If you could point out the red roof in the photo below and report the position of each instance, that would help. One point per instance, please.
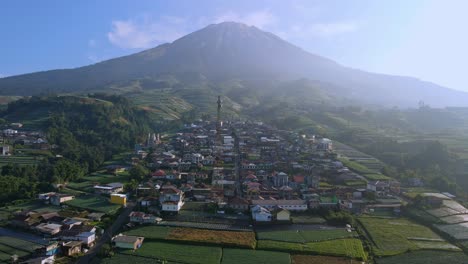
(299, 178)
(159, 173)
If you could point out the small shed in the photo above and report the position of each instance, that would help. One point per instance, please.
(130, 242)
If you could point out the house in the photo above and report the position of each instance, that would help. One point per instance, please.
(280, 214)
(45, 197)
(96, 216)
(142, 218)
(51, 249)
(49, 229)
(5, 150)
(261, 214)
(280, 179)
(291, 205)
(83, 233)
(59, 198)
(171, 198)
(71, 248)
(238, 204)
(118, 199)
(130, 242)
(110, 188)
(40, 260)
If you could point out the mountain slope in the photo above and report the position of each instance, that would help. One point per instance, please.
(222, 52)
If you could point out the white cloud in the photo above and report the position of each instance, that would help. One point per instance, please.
(2, 75)
(133, 34)
(260, 19)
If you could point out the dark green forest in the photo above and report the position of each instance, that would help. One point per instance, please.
(85, 131)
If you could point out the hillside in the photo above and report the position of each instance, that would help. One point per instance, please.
(230, 58)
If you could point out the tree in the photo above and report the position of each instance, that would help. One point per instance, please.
(138, 172)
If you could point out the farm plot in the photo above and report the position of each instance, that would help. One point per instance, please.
(225, 238)
(245, 256)
(442, 212)
(455, 219)
(125, 259)
(457, 231)
(425, 256)
(178, 253)
(307, 259)
(94, 203)
(303, 236)
(307, 219)
(454, 205)
(436, 245)
(13, 251)
(150, 232)
(392, 236)
(19, 244)
(350, 247)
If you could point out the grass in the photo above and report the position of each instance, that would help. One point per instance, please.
(225, 238)
(307, 259)
(392, 236)
(350, 247)
(244, 256)
(425, 257)
(304, 236)
(94, 203)
(178, 253)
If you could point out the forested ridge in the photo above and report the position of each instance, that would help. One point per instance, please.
(84, 132)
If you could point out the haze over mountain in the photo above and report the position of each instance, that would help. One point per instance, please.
(220, 53)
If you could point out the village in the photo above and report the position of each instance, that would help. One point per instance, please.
(223, 178)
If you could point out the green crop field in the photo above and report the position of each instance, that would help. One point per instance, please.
(307, 219)
(426, 257)
(150, 232)
(20, 160)
(19, 244)
(350, 247)
(308, 259)
(125, 259)
(245, 256)
(94, 203)
(13, 251)
(30, 205)
(303, 236)
(393, 236)
(178, 252)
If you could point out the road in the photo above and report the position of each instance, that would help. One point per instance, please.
(107, 236)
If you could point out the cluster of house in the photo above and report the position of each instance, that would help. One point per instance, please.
(250, 166)
(13, 134)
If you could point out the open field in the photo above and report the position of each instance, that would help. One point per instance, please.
(425, 257)
(94, 203)
(350, 247)
(307, 219)
(224, 238)
(303, 236)
(125, 259)
(245, 256)
(393, 236)
(178, 252)
(307, 259)
(33, 205)
(19, 244)
(150, 232)
(457, 231)
(20, 160)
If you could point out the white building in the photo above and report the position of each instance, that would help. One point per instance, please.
(260, 214)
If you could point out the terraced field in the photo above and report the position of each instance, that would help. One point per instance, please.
(304, 236)
(94, 203)
(177, 253)
(396, 236)
(349, 247)
(244, 256)
(425, 257)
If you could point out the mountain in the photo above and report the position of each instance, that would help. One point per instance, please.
(228, 56)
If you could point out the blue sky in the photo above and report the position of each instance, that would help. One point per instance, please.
(426, 39)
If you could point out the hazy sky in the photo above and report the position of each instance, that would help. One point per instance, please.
(425, 39)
